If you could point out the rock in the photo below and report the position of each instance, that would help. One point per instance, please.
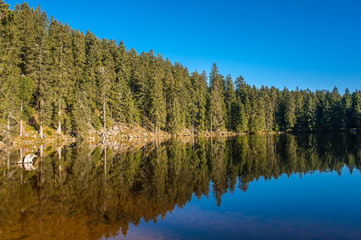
(29, 167)
(27, 162)
(29, 158)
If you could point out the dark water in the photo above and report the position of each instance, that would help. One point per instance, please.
(249, 187)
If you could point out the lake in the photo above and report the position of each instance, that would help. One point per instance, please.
(246, 187)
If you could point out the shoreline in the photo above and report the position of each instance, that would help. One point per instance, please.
(144, 137)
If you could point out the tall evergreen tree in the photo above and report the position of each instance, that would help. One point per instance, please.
(200, 95)
(346, 108)
(61, 69)
(356, 109)
(81, 112)
(35, 59)
(290, 111)
(309, 112)
(217, 105)
(25, 91)
(230, 101)
(241, 118)
(9, 70)
(158, 107)
(93, 80)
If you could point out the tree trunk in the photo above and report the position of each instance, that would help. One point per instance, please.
(193, 125)
(41, 129)
(41, 118)
(41, 177)
(105, 162)
(8, 126)
(60, 167)
(59, 121)
(105, 118)
(21, 120)
(21, 160)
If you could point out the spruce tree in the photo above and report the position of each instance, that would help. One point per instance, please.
(309, 112)
(200, 95)
(33, 28)
(9, 70)
(230, 101)
(356, 109)
(346, 106)
(94, 77)
(290, 111)
(25, 91)
(217, 105)
(80, 111)
(61, 69)
(241, 117)
(158, 107)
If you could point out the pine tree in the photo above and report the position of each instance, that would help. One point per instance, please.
(241, 119)
(290, 111)
(105, 77)
(9, 70)
(230, 101)
(61, 69)
(81, 112)
(139, 83)
(200, 95)
(25, 91)
(336, 109)
(217, 105)
(356, 109)
(178, 94)
(309, 112)
(93, 80)
(257, 120)
(299, 102)
(32, 29)
(158, 107)
(346, 106)
(170, 97)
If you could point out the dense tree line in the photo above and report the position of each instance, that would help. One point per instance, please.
(52, 75)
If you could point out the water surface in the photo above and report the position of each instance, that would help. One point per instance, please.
(248, 187)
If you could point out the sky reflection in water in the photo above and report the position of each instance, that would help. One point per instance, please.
(316, 206)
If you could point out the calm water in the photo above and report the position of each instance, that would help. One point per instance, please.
(249, 187)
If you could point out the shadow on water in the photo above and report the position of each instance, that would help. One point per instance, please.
(87, 192)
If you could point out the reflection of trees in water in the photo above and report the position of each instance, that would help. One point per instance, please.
(85, 193)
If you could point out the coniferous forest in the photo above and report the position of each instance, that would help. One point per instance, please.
(52, 75)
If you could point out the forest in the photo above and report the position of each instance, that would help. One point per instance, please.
(55, 76)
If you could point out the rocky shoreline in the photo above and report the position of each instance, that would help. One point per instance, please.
(118, 133)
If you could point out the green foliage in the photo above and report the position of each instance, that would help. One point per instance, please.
(217, 106)
(54, 76)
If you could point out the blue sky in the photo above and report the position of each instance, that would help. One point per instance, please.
(310, 44)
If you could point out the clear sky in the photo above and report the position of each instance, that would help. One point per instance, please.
(310, 43)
